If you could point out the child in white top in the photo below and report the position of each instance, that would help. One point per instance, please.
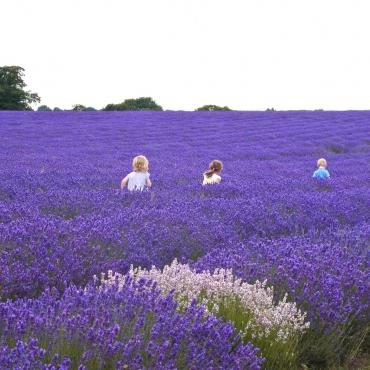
(138, 179)
(212, 176)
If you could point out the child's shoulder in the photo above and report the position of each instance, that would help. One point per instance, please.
(321, 173)
(138, 174)
(132, 173)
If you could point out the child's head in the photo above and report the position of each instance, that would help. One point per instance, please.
(322, 163)
(214, 167)
(140, 164)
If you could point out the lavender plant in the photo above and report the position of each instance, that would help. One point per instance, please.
(63, 218)
(132, 326)
(274, 328)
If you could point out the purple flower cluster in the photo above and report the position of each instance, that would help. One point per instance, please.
(133, 326)
(63, 218)
(28, 355)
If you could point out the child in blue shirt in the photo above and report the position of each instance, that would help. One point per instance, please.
(321, 173)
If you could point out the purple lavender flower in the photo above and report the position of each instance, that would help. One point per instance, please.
(133, 326)
(63, 218)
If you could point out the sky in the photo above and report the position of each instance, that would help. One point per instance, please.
(246, 54)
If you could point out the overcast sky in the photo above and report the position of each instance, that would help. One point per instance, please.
(247, 54)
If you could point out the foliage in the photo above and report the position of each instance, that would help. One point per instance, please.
(43, 108)
(82, 108)
(211, 108)
(135, 104)
(78, 108)
(12, 93)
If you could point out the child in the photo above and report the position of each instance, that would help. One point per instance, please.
(321, 173)
(139, 177)
(212, 176)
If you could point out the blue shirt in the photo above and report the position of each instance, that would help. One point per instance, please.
(321, 173)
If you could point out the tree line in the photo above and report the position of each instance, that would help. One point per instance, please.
(13, 96)
(143, 103)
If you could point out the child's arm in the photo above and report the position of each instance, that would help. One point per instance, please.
(124, 182)
(148, 183)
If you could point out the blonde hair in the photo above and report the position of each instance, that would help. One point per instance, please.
(214, 166)
(140, 164)
(321, 162)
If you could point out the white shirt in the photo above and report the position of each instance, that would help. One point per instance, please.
(137, 180)
(214, 179)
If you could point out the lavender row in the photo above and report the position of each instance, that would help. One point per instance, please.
(63, 218)
(133, 327)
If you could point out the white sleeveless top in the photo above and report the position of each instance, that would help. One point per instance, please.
(137, 180)
(214, 179)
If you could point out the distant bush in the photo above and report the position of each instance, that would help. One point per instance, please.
(144, 103)
(78, 108)
(271, 109)
(211, 108)
(43, 108)
(82, 108)
(56, 109)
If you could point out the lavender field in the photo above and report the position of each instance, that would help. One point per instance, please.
(268, 270)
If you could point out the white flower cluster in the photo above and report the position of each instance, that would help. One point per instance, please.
(254, 302)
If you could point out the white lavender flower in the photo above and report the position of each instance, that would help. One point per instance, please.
(256, 302)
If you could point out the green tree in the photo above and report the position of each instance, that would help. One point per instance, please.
(79, 108)
(211, 108)
(43, 108)
(143, 103)
(12, 93)
(56, 109)
(82, 108)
